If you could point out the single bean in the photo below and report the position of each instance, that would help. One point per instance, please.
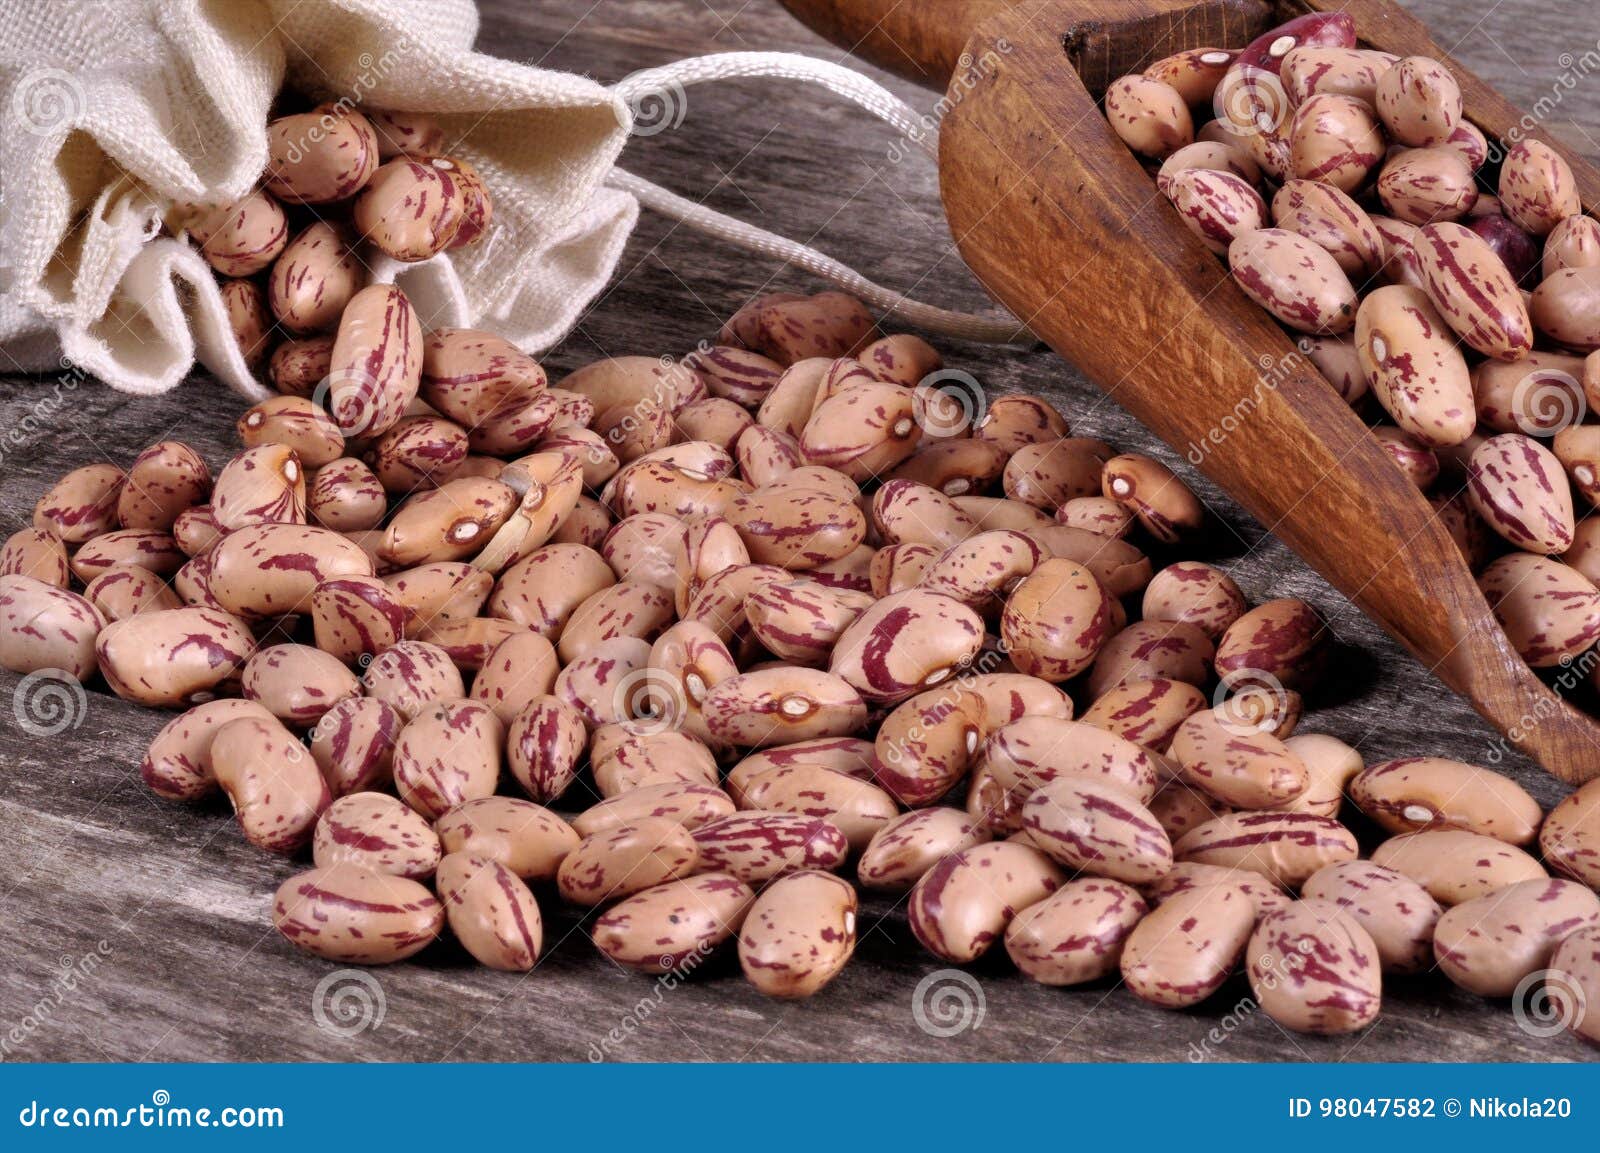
(491, 912)
(1184, 950)
(351, 916)
(353, 744)
(1314, 969)
(1287, 847)
(659, 929)
(1491, 944)
(275, 787)
(297, 683)
(172, 658)
(1099, 828)
(1456, 865)
(526, 838)
(375, 832)
(965, 902)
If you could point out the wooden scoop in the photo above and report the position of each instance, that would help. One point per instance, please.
(1059, 221)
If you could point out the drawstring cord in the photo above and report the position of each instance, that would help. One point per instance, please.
(657, 94)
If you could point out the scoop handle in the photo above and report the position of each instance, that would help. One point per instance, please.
(922, 40)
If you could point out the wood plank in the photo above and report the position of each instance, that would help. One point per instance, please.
(191, 968)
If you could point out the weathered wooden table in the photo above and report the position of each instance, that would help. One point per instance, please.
(134, 929)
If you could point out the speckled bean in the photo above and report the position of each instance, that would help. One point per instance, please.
(491, 912)
(906, 642)
(269, 570)
(297, 683)
(1396, 912)
(447, 754)
(1427, 792)
(659, 929)
(1287, 847)
(272, 781)
(1188, 945)
(376, 364)
(1097, 827)
(857, 807)
(965, 902)
(1491, 944)
(374, 831)
(412, 675)
(351, 916)
(1537, 188)
(1056, 620)
(1314, 969)
(627, 859)
(1456, 865)
(1295, 280)
(353, 744)
(1517, 486)
(45, 627)
(1147, 711)
(1549, 610)
(527, 838)
(173, 658)
(1236, 764)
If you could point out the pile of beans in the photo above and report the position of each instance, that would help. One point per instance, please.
(337, 180)
(749, 619)
(1465, 323)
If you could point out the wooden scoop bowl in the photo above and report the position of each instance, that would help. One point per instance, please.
(1062, 225)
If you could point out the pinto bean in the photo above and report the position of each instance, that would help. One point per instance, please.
(1456, 865)
(965, 902)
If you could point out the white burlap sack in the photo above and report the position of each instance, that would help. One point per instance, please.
(114, 111)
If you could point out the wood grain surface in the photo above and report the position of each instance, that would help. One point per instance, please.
(133, 929)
